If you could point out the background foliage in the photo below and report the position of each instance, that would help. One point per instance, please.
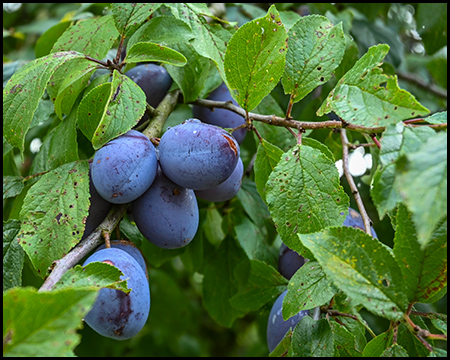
(187, 317)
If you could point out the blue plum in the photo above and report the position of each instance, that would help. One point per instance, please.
(355, 220)
(154, 80)
(221, 117)
(124, 168)
(98, 209)
(131, 249)
(116, 314)
(277, 327)
(166, 214)
(198, 156)
(226, 190)
(289, 261)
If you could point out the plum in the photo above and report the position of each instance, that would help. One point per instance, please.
(355, 220)
(124, 168)
(116, 314)
(289, 261)
(277, 327)
(221, 117)
(226, 190)
(196, 155)
(166, 214)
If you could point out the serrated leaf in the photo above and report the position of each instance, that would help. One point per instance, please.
(312, 338)
(362, 267)
(12, 186)
(13, 255)
(23, 91)
(307, 289)
(255, 58)
(128, 17)
(95, 275)
(365, 96)
(264, 284)
(267, 157)
(104, 113)
(53, 214)
(93, 37)
(43, 324)
(304, 195)
(147, 51)
(424, 270)
(422, 183)
(315, 49)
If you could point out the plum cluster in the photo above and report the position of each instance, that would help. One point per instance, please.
(193, 159)
(289, 261)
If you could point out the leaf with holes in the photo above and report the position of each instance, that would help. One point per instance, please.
(93, 37)
(255, 58)
(304, 195)
(315, 49)
(128, 17)
(147, 51)
(362, 267)
(23, 91)
(365, 96)
(53, 214)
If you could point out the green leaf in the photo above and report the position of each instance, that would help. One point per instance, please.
(12, 186)
(104, 113)
(344, 340)
(68, 81)
(255, 58)
(46, 41)
(365, 96)
(95, 275)
(377, 345)
(422, 182)
(220, 283)
(362, 267)
(304, 195)
(308, 288)
(53, 214)
(312, 338)
(23, 91)
(437, 118)
(147, 51)
(264, 284)
(163, 30)
(191, 78)
(12, 255)
(93, 37)
(315, 49)
(43, 324)
(424, 270)
(267, 157)
(395, 350)
(128, 17)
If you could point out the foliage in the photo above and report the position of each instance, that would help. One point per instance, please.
(317, 84)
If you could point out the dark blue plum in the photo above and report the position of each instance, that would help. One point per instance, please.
(124, 168)
(154, 80)
(277, 327)
(166, 214)
(131, 249)
(226, 190)
(116, 314)
(355, 220)
(98, 209)
(221, 117)
(198, 156)
(289, 261)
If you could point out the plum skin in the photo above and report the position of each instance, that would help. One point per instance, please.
(116, 314)
(221, 117)
(289, 261)
(225, 190)
(124, 168)
(277, 327)
(196, 155)
(166, 214)
(355, 220)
